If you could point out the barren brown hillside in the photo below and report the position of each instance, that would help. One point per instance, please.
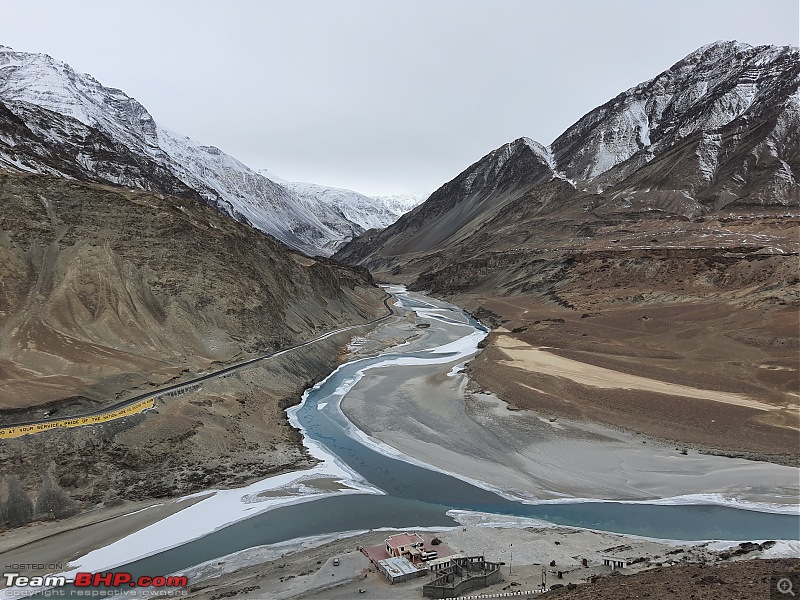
(107, 292)
(104, 289)
(658, 237)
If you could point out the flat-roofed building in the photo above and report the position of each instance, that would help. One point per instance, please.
(440, 563)
(462, 575)
(616, 562)
(399, 568)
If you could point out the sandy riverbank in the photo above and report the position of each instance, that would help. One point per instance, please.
(530, 358)
(305, 569)
(429, 414)
(722, 381)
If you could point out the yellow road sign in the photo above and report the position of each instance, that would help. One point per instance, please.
(135, 408)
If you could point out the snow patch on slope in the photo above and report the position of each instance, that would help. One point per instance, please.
(39, 80)
(356, 208)
(543, 152)
(708, 89)
(400, 204)
(346, 211)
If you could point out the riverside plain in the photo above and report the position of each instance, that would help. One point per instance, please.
(698, 479)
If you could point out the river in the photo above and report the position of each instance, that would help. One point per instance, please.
(406, 495)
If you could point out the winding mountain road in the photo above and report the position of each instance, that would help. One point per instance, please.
(143, 402)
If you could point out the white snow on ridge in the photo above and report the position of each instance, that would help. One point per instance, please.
(542, 151)
(345, 211)
(705, 91)
(400, 204)
(367, 212)
(267, 205)
(313, 219)
(355, 207)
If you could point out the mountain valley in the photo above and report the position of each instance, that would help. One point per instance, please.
(591, 342)
(659, 234)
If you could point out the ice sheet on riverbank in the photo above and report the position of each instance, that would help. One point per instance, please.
(580, 463)
(720, 500)
(220, 509)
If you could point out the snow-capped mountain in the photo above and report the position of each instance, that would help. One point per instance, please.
(715, 134)
(34, 139)
(358, 212)
(356, 208)
(400, 204)
(58, 121)
(711, 95)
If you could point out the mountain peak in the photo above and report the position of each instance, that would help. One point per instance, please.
(721, 45)
(496, 160)
(542, 151)
(709, 88)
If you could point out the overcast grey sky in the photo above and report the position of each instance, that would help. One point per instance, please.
(375, 95)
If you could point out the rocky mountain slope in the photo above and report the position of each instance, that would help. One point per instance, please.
(458, 209)
(722, 112)
(106, 292)
(57, 121)
(103, 288)
(715, 136)
(656, 237)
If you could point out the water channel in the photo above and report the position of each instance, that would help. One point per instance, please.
(417, 496)
(409, 495)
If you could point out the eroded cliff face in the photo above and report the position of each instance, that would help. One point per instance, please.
(105, 288)
(106, 291)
